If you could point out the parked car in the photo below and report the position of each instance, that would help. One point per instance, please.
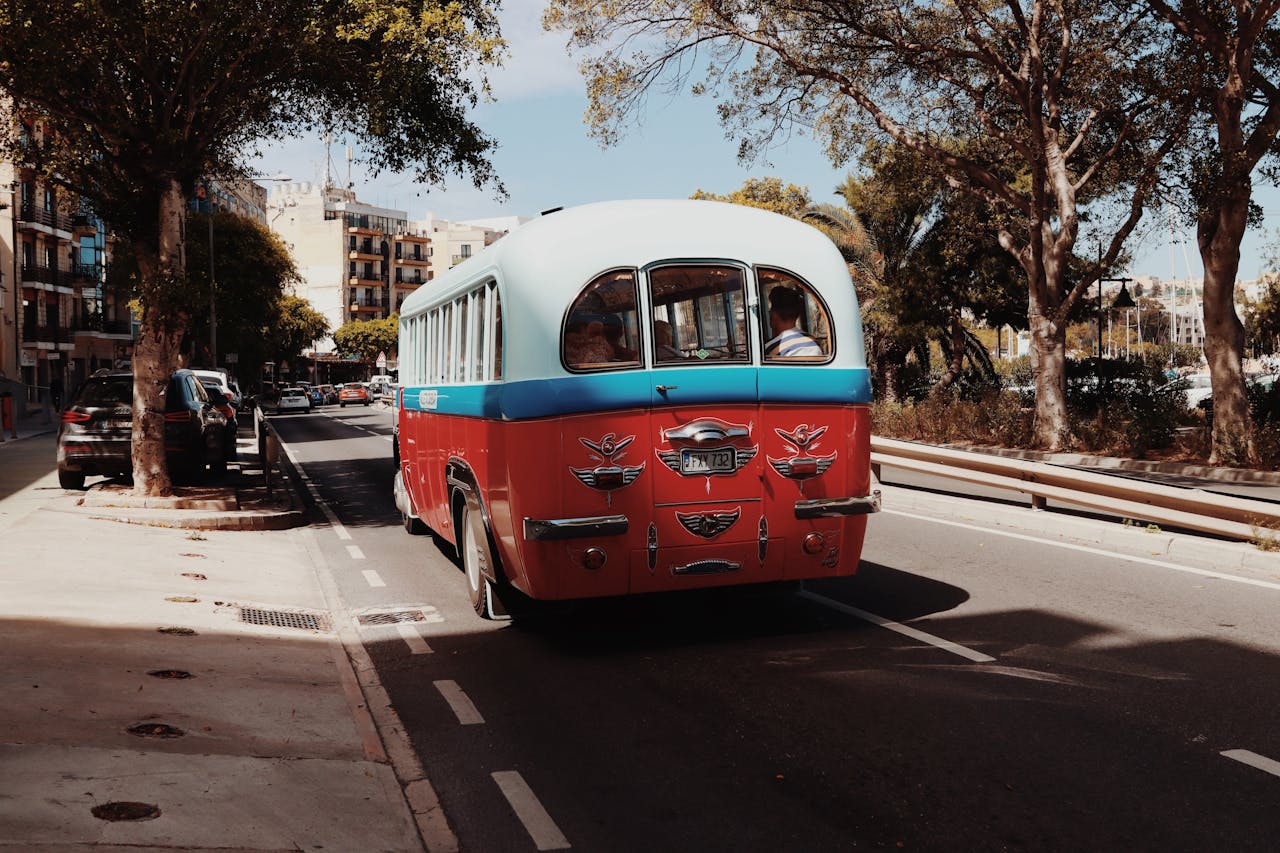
(329, 393)
(293, 400)
(225, 405)
(354, 392)
(227, 385)
(1195, 388)
(95, 435)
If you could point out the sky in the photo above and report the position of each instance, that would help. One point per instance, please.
(546, 159)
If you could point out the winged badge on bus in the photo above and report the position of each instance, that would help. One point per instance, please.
(802, 466)
(609, 476)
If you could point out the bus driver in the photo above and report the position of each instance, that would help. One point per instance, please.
(785, 307)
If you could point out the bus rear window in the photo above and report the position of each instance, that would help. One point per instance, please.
(796, 327)
(602, 330)
(699, 314)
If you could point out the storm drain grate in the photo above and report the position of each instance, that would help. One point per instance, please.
(283, 619)
(392, 618)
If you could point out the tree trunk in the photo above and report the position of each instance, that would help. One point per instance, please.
(1049, 369)
(1219, 233)
(155, 351)
(957, 354)
(889, 359)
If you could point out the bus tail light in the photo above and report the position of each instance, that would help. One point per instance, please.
(594, 559)
(813, 543)
(70, 416)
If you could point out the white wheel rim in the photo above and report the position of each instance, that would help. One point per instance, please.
(472, 556)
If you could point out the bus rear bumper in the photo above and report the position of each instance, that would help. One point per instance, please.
(837, 507)
(574, 528)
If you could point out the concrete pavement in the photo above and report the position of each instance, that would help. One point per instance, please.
(200, 676)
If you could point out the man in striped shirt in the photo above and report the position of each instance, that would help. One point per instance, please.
(785, 307)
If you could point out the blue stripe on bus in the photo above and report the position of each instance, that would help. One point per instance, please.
(814, 385)
(539, 398)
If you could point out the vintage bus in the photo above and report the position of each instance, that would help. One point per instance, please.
(638, 396)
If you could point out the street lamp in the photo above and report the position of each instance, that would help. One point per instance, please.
(1122, 300)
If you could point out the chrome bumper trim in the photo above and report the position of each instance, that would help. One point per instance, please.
(574, 528)
(836, 507)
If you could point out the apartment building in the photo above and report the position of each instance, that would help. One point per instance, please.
(58, 321)
(360, 261)
(357, 261)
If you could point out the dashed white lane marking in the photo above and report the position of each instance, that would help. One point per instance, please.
(413, 639)
(355, 552)
(1086, 549)
(373, 578)
(1244, 756)
(541, 828)
(463, 708)
(905, 630)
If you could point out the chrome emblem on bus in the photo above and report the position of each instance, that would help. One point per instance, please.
(802, 466)
(708, 525)
(711, 456)
(610, 476)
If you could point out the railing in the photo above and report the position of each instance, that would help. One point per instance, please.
(31, 213)
(44, 275)
(1192, 509)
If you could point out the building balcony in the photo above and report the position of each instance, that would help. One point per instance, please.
(410, 237)
(43, 275)
(410, 260)
(31, 218)
(363, 255)
(86, 273)
(35, 334)
(84, 226)
(410, 283)
(361, 280)
(361, 231)
(96, 324)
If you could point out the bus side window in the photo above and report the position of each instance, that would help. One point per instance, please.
(602, 329)
(796, 327)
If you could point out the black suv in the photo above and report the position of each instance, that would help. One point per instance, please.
(95, 436)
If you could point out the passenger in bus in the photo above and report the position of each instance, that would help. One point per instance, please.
(785, 308)
(584, 341)
(613, 333)
(662, 338)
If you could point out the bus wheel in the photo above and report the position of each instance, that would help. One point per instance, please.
(412, 524)
(475, 552)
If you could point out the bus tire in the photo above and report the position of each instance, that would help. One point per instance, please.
(412, 524)
(475, 551)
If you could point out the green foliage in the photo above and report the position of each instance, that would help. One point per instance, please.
(293, 327)
(366, 338)
(766, 194)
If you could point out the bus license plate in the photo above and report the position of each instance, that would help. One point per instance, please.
(722, 460)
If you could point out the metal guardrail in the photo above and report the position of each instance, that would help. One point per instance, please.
(1192, 509)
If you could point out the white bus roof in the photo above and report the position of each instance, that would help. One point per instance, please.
(541, 266)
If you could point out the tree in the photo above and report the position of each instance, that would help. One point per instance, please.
(367, 338)
(1035, 107)
(292, 327)
(129, 104)
(766, 194)
(254, 270)
(1232, 81)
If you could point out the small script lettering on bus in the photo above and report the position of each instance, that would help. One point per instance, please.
(428, 399)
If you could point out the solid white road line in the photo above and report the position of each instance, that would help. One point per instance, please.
(337, 525)
(412, 639)
(1088, 550)
(541, 828)
(460, 702)
(355, 552)
(905, 630)
(373, 578)
(1261, 762)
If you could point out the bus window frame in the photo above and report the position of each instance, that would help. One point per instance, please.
(638, 364)
(750, 304)
(762, 301)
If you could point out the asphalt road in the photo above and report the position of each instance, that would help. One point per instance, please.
(968, 690)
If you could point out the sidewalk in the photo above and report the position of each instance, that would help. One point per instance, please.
(190, 682)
